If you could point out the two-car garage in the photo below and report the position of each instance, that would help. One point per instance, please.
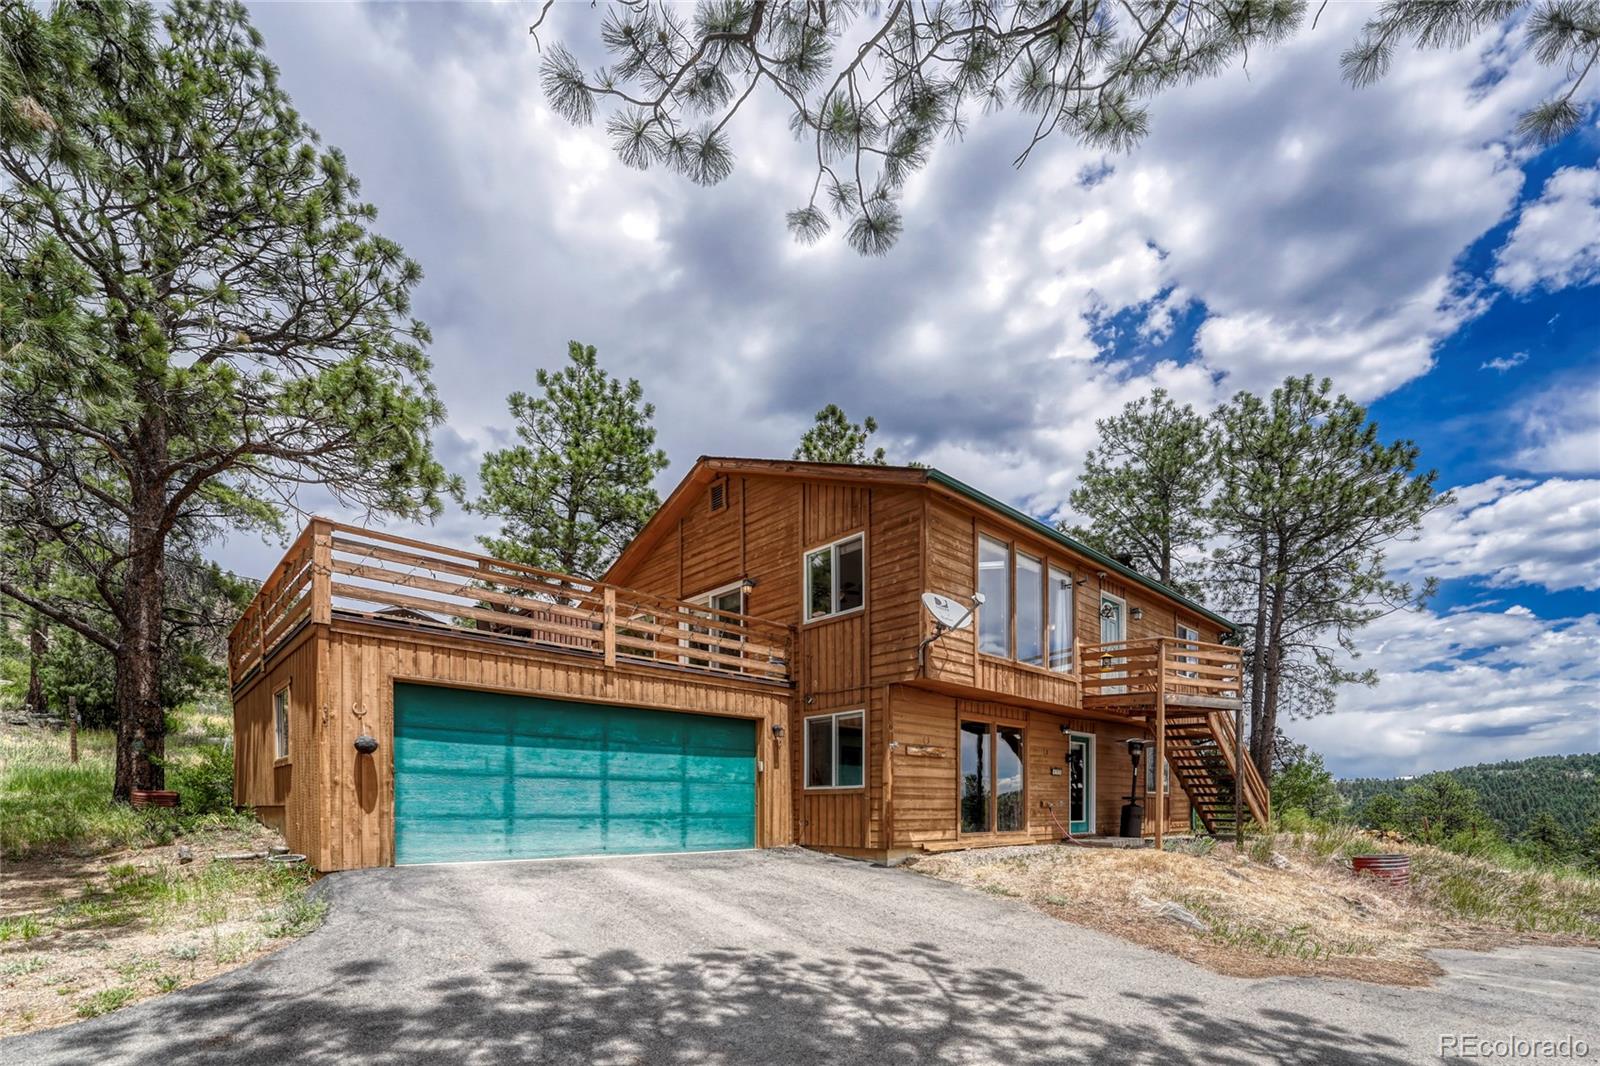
(481, 776)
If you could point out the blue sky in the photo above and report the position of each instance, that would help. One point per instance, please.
(1398, 239)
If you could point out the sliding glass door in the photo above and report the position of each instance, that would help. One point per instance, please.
(992, 789)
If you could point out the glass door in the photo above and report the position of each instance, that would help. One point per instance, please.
(1113, 629)
(1080, 762)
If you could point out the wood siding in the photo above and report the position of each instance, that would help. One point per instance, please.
(925, 769)
(351, 796)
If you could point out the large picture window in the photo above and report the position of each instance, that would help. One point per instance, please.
(836, 750)
(994, 581)
(835, 577)
(1027, 607)
(992, 778)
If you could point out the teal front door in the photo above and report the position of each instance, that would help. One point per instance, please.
(1080, 788)
(479, 775)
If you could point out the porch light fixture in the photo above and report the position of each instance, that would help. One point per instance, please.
(1137, 613)
(777, 731)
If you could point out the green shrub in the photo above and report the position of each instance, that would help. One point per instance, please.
(203, 778)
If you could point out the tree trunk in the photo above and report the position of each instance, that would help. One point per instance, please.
(1258, 662)
(38, 645)
(1265, 739)
(141, 722)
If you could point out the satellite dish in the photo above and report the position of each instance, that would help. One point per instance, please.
(949, 613)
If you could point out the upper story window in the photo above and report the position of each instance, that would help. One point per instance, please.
(1021, 592)
(1059, 589)
(836, 578)
(1188, 634)
(994, 582)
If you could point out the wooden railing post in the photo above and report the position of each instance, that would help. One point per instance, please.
(1161, 741)
(321, 573)
(608, 625)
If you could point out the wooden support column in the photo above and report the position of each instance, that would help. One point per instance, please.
(1161, 741)
(609, 624)
(321, 573)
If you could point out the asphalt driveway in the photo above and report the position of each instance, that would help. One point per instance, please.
(778, 957)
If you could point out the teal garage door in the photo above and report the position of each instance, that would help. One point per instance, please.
(479, 775)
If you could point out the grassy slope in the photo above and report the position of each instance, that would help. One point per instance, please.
(97, 910)
(1302, 912)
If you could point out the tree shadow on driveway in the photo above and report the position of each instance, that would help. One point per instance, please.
(718, 1005)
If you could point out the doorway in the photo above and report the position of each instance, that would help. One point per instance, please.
(1080, 783)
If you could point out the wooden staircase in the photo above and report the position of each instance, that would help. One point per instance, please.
(1200, 750)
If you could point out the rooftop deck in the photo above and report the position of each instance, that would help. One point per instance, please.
(337, 571)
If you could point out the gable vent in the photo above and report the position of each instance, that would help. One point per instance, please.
(719, 494)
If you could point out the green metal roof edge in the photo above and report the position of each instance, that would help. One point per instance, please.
(981, 497)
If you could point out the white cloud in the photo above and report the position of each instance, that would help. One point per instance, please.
(1466, 687)
(1503, 363)
(1560, 430)
(1506, 532)
(1556, 243)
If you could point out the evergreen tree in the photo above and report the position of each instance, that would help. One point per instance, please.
(1307, 785)
(195, 317)
(874, 89)
(1558, 32)
(1308, 500)
(577, 488)
(1439, 809)
(1547, 840)
(833, 438)
(1383, 812)
(1589, 848)
(1144, 486)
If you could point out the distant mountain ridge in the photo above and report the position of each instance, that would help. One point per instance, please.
(1513, 792)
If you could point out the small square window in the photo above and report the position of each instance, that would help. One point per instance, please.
(836, 750)
(836, 578)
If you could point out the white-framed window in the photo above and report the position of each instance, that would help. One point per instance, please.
(836, 750)
(1060, 589)
(836, 578)
(726, 598)
(1188, 633)
(994, 581)
(280, 722)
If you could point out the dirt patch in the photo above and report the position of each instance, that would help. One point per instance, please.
(81, 935)
(1298, 913)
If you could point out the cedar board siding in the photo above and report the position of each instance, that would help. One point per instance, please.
(762, 535)
(355, 803)
(925, 764)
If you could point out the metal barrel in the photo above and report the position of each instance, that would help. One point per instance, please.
(1394, 869)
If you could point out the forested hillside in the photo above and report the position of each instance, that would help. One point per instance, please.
(1514, 793)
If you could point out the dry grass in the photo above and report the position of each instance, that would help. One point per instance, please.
(1306, 914)
(97, 911)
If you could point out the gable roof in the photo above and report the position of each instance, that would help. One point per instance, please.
(708, 467)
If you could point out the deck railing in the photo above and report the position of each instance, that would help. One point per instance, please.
(333, 568)
(1198, 670)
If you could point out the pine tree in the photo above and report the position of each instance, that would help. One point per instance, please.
(833, 438)
(195, 317)
(577, 488)
(1309, 498)
(1144, 485)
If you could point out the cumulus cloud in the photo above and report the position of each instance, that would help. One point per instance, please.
(1505, 532)
(1559, 430)
(1556, 243)
(1466, 687)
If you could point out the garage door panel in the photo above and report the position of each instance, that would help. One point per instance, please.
(488, 776)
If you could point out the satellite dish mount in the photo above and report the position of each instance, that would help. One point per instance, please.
(948, 614)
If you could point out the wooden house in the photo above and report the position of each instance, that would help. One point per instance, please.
(757, 668)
